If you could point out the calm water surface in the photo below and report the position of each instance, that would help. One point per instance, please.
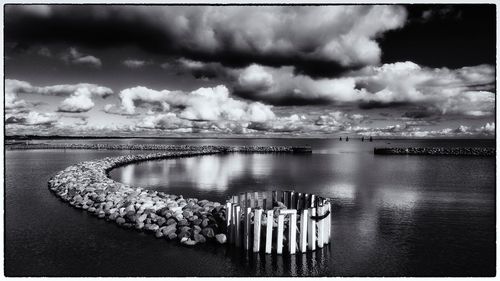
(392, 215)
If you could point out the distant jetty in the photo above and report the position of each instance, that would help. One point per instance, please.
(219, 148)
(188, 220)
(457, 151)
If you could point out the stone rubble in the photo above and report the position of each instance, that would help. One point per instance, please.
(190, 221)
(457, 151)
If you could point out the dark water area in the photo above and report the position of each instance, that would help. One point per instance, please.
(392, 215)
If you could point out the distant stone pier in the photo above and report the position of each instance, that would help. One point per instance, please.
(166, 147)
(457, 151)
(188, 220)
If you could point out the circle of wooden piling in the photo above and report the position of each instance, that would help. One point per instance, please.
(256, 221)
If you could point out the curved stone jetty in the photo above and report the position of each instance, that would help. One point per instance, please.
(190, 221)
(457, 151)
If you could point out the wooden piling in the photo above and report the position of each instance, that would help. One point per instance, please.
(292, 236)
(299, 201)
(237, 229)
(311, 235)
(304, 217)
(264, 201)
(329, 222)
(311, 230)
(279, 242)
(269, 231)
(274, 197)
(321, 227)
(247, 230)
(285, 199)
(229, 213)
(256, 230)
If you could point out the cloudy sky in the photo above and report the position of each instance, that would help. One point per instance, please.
(325, 71)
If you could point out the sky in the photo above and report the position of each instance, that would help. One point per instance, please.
(415, 71)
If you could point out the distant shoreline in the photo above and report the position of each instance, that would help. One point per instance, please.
(36, 137)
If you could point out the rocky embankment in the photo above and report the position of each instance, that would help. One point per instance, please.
(458, 151)
(101, 146)
(188, 220)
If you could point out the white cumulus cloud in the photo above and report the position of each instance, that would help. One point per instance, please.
(464, 91)
(202, 104)
(79, 96)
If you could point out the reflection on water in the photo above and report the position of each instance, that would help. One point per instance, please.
(390, 212)
(392, 215)
(209, 173)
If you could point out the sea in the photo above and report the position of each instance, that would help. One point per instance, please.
(392, 215)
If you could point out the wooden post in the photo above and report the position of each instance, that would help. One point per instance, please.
(257, 200)
(292, 228)
(304, 217)
(264, 200)
(279, 242)
(274, 197)
(269, 231)
(247, 230)
(329, 223)
(313, 201)
(306, 201)
(256, 230)
(321, 227)
(237, 229)
(229, 213)
(285, 198)
(311, 230)
(298, 201)
(241, 200)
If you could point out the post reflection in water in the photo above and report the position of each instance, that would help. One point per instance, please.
(300, 264)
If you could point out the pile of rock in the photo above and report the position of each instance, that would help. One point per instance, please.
(457, 151)
(188, 220)
(87, 186)
(269, 149)
(165, 147)
(103, 146)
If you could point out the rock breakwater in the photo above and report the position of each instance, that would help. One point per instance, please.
(458, 151)
(190, 221)
(219, 148)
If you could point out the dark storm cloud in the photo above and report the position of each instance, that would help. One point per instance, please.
(318, 41)
(444, 35)
(197, 69)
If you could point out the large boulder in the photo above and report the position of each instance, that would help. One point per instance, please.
(221, 238)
